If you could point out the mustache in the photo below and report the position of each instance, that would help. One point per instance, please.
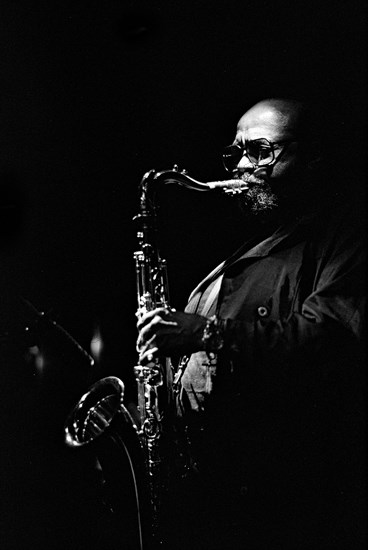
(253, 180)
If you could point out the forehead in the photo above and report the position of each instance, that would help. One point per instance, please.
(264, 121)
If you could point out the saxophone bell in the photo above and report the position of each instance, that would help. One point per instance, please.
(101, 421)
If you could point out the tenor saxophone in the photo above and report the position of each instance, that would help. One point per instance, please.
(100, 416)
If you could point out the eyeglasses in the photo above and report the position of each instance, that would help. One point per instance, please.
(260, 152)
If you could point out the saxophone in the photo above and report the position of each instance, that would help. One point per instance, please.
(100, 417)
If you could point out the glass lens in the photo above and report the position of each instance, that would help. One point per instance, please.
(231, 157)
(260, 152)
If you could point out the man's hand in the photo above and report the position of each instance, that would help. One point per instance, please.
(165, 332)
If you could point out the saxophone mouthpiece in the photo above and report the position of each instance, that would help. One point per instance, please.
(229, 186)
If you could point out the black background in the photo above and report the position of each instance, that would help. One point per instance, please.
(94, 94)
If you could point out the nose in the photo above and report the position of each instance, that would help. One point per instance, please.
(245, 164)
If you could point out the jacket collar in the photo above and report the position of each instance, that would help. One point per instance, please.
(291, 232)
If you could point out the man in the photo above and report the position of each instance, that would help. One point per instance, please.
(270, 395)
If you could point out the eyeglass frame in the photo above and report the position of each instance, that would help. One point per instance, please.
(272, 145)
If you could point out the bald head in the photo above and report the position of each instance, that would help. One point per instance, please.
(284, 118)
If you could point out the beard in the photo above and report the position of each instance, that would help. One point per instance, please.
(259, 202)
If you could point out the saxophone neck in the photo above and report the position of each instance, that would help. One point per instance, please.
(181, 178)
(231, 186)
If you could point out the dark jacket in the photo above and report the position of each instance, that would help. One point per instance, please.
(279, 438)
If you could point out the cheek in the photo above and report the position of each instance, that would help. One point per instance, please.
(284, 169)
